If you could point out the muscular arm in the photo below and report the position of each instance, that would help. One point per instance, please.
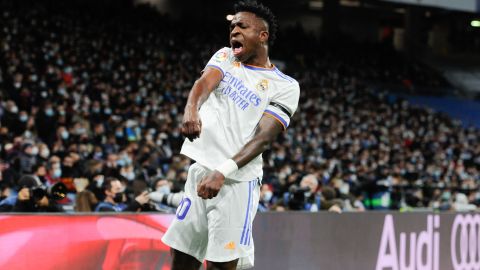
(191, 123)
(267, 130)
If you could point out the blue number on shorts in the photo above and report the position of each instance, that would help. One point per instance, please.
(183, 208)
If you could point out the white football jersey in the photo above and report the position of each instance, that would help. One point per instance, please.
(233, 110)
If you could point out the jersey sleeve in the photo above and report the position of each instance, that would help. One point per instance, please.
(220, 60)
(284, 104)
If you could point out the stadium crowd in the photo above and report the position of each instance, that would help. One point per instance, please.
(97, 106)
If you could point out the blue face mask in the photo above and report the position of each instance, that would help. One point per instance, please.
(57, 173)
(121, 163)
(49, 112)
(165, 189)
(23, 118)
(65, 135)
(267, 196)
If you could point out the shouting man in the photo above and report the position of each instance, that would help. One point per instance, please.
(234, 111)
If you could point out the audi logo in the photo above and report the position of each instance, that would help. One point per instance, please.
(465, 242)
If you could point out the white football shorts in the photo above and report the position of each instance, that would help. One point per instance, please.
(218, 229)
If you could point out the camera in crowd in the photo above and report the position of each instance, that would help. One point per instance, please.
(297, 197)
(171, 199)
(56, 192)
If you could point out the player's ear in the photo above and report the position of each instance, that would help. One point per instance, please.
(264, 36)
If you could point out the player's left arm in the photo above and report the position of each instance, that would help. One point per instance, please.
(267, 130)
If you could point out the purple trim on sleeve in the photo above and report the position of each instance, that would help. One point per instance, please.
(216, 67)
(278, 117)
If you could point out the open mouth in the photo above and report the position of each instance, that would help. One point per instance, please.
(237, 47)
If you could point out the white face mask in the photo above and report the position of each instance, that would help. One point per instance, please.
(34, 151)
(165, 189)
(45, 153)
(267, 196)
(100, 181)
(129, 175)
(344, 189)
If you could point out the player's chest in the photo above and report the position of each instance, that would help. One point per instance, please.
(247, 90)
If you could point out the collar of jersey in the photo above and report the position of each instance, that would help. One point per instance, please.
(259, 68)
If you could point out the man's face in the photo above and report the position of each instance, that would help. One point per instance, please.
(310, 182)
(247, 32)
(116, 188)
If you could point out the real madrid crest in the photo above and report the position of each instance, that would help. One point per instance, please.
(262, 85)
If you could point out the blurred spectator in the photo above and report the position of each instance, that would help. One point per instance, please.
(32, 197)
(77, 88)
(116, 199)
(85, 200)
(266, 197)
(163, 187)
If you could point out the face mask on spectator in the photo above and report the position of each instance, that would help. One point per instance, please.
(97, 155)
(62, 91)
(107, 111)
(165, 189)
(34, 151)
(27, 134)
(45, 153)
(99, 180)
(118, 198)
(119, 134)
(49, 112)
(23, 118)
(267, 196)
(121, 163)
(14, 109)
(65, 135)
(129, 175)
(80, 131)
(344, 189)
(57, 173)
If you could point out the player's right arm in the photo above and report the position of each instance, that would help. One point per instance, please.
(191, 123)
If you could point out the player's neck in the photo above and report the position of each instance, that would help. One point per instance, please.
(260, 60)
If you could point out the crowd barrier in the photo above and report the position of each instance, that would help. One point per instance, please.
(293, 240)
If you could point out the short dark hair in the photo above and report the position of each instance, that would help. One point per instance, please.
(262, 12)
(107, 184)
